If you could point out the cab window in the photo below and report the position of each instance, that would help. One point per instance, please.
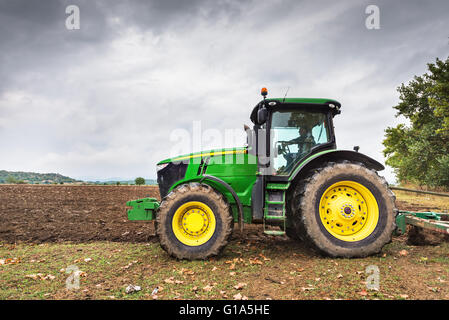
(293, 135)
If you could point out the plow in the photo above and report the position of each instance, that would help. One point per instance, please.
(427, 220)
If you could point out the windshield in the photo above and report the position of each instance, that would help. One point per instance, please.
(293, 135)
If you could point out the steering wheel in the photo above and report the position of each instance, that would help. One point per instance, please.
(283, 147)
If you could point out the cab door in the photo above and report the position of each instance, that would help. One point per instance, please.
(294, 134)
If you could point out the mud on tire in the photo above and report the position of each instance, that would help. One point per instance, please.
(306, 210)
(199, 193)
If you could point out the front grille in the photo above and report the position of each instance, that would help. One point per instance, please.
(169, 175)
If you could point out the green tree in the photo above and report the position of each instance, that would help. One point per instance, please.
(419, 150)
(139, 181)
(11, 180)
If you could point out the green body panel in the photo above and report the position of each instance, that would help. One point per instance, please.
(234, 166)
(202, 154)
(239, 170)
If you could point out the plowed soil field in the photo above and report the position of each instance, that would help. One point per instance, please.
(53, 213)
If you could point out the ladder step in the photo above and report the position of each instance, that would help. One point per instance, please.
(274, 232)
(271, 212)
(275, 202)
(275, 186)
(275, 217)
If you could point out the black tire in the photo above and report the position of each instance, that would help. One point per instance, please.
(306, 210)
(223, 221)
(291, 233)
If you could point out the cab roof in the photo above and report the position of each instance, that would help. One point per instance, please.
(304, 103)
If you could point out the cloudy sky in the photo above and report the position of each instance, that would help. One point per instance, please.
(107, 99)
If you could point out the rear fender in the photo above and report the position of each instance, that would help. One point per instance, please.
(333, 156)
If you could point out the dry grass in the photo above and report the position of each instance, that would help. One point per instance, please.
(260, 268)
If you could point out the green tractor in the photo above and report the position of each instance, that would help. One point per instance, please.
(289, 177)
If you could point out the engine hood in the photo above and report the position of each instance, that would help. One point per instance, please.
(207, 153)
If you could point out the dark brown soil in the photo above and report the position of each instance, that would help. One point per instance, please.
(53, 213)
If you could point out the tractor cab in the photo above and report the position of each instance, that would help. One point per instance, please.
(289, 130)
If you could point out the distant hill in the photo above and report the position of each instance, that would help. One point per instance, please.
(33, 177)
(123, 182)
(52, 178)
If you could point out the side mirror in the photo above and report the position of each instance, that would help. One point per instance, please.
(262, 116)
(249, 136)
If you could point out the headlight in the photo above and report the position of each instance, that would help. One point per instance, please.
(161, 166)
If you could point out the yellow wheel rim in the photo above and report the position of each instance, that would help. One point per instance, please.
(349, 211)
(193, 223)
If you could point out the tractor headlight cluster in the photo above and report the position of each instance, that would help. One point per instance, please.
(161, 166)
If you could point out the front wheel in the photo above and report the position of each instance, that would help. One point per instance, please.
(345, 210)
(194, 222)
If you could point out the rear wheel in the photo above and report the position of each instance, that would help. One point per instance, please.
(345, 210)
(194, 222)
(291, 233)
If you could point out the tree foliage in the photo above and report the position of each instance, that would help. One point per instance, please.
(139, 181)
(419, 150)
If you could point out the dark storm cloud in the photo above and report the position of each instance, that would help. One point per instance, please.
(160, 16)
(102, 100)
(34, 39)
